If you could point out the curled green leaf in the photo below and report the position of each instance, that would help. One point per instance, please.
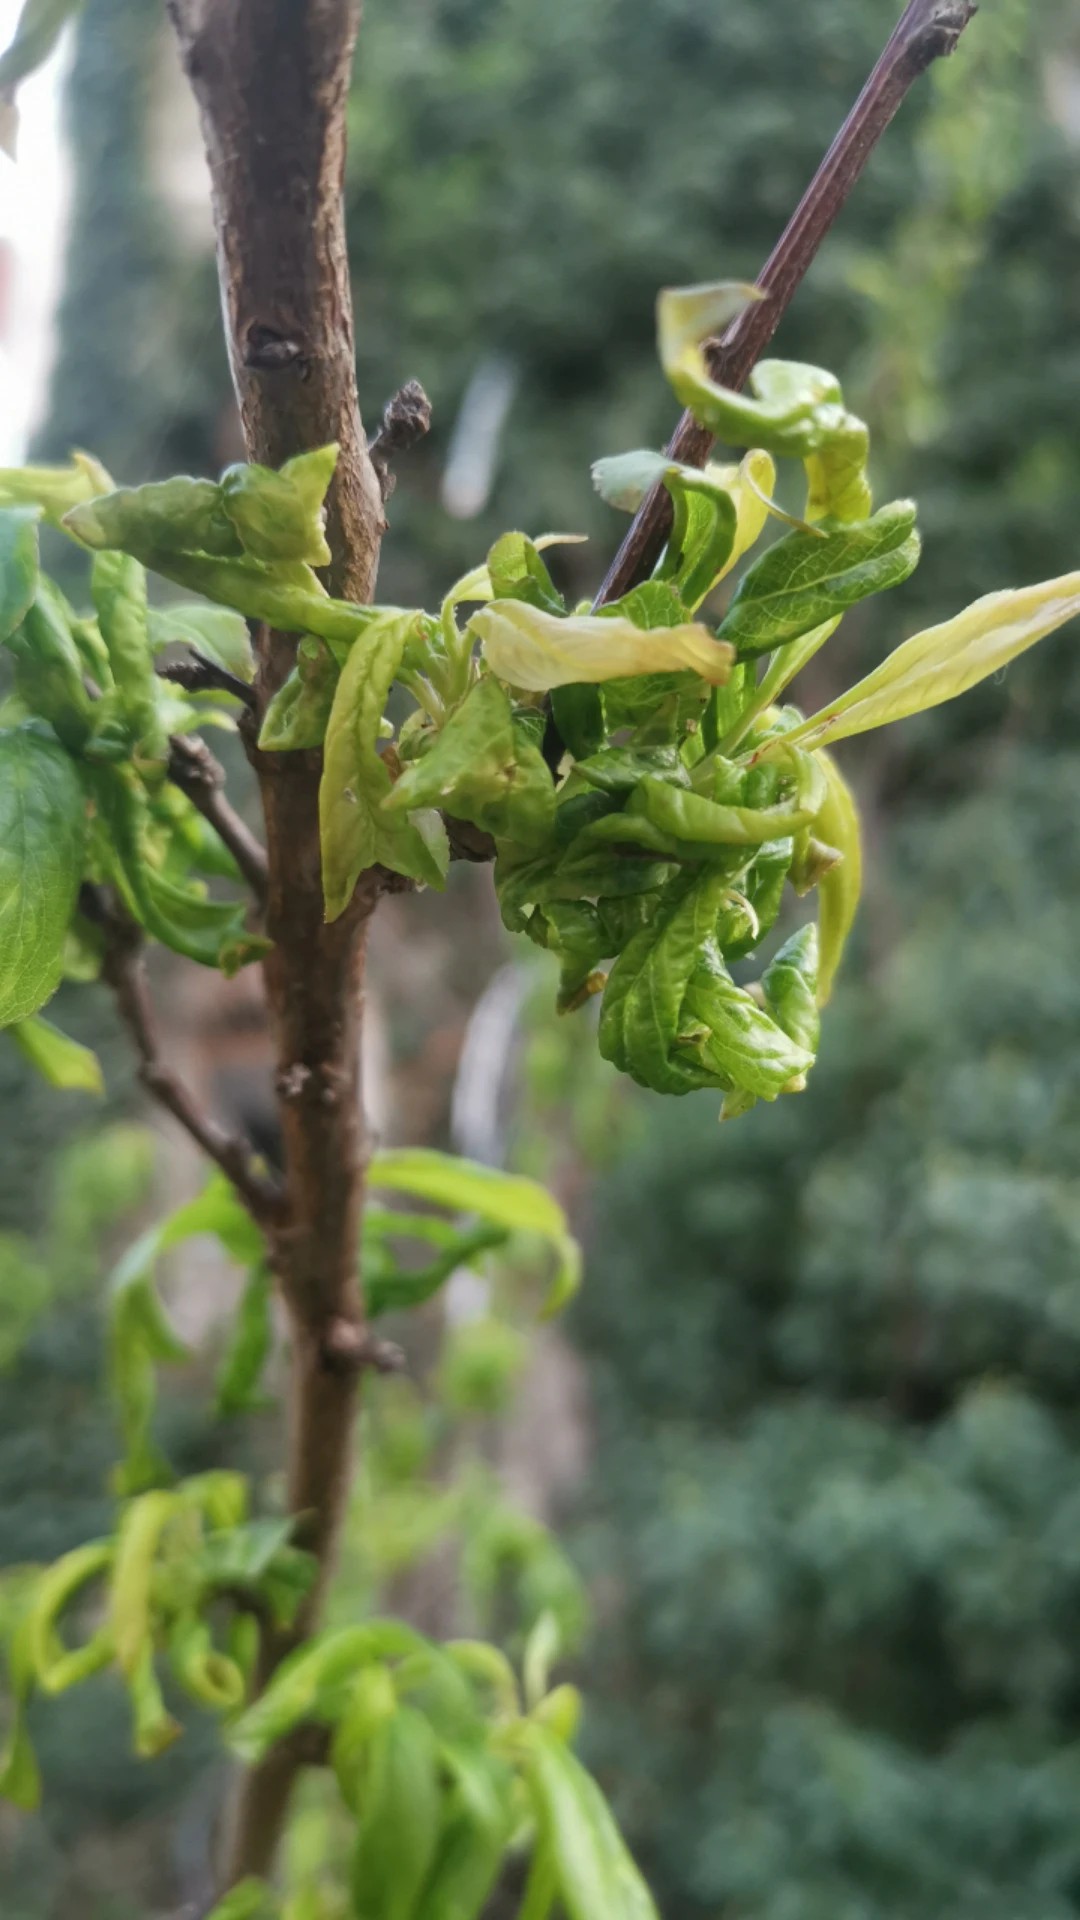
(792, 410)
(481, 768)
(355, 831)
(299, 712)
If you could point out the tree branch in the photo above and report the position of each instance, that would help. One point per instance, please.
(927, 30)
(199, 675)
(271, 80)
(193, 768)
(124, 971)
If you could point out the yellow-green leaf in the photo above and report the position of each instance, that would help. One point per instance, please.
(944, 661)
(59, 1059)
(536, 651)
(839, 888)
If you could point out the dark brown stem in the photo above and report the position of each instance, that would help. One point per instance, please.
(199, 675)
(406, 419)
(124, 971)
(271, 80)
(193, 768)
(927, 30)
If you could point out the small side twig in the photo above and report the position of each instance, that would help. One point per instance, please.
(196, 674)
(927, 30)
(124, 971)
(406, 419)
(193, 768)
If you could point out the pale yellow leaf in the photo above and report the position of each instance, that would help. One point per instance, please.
(533, 650)
(945, 661)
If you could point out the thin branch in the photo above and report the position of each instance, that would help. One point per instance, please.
(927, 30)
(193, 768)
(406, 419)
(123, 970)
(197, 674)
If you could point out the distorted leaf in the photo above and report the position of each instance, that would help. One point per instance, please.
(483, 769)
(42, 841)
(355, 831)
(533, 650)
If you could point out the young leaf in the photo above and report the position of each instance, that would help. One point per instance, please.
(643, 998)
(596, 1874)
(216, 632)
(207, 1674)
(118, 586)
(212, 932)
(839, 888)
(944, 661)
(20, 1778)
(625, 479)
(299, 712)
(730, 1038)
(693, 820)
(516, 572)
(791, 409)
(701, 544)
(57, 1667)
(59, 1060)
(314, 1673)
(249, 1900)
(484, 770)
(536, 651)
(805, 579)
(388, 1287)
(242, 1369)
(400, 1809)
(275, 517)
(355, 831)
(49, 671)
(131, 1586)
(55, 490)
(790, 985)
(507, 1200)
(140, 1336)
(42, 841)
(18, 566)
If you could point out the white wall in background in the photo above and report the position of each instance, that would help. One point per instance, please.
(33, 207)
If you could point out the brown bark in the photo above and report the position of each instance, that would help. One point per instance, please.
(271, 80)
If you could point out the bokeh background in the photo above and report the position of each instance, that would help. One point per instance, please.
(811, 1438)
